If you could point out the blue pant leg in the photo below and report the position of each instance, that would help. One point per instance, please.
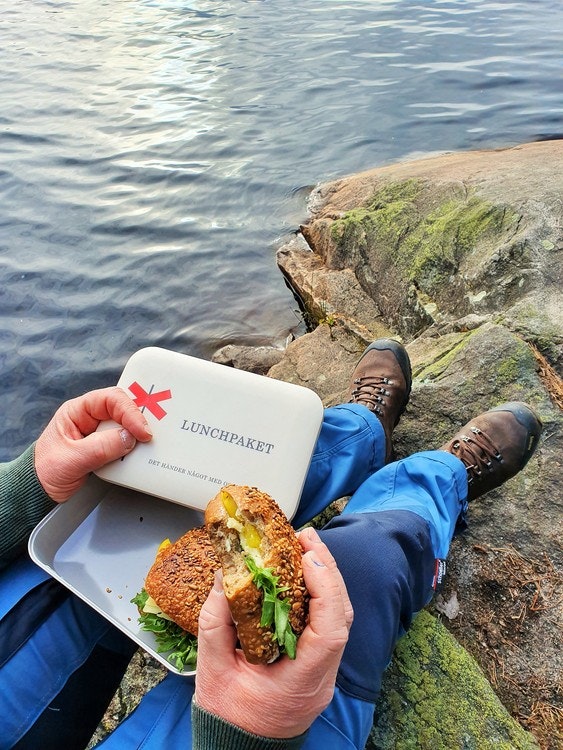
(23, 576)
(344, 725)
(161, 721)
(32, 675)
(385, 544)
(432, 484)
(350, 447)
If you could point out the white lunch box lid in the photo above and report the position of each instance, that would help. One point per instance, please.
(214, 425)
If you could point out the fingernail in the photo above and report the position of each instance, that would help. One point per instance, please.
(218, 582)
(148, 429)
(318, 563)
(127, 439)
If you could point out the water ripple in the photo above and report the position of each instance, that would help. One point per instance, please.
(153, 154)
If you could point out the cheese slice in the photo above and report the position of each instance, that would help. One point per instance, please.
(152, 608)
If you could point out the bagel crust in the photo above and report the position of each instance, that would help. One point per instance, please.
(279, 549)
(181, 578)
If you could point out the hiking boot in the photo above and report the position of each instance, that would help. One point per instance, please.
(496, 445)
(382, 383)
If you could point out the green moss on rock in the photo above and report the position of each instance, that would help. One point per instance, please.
(425, 236)
(386, 219)
(519, 366)
(506, 364)
(433, 370)
(435, 697)
(537, 327)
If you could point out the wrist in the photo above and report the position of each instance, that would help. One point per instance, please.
(253, 715)
(210, 731)
(25, 504)
(43, 467)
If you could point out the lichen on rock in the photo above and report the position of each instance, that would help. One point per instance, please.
(435, 697)
(417, 233)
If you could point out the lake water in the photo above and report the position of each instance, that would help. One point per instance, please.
(154, 154)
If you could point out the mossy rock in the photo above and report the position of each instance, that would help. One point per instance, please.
(435, 697)
(461, 257)
(419, 235)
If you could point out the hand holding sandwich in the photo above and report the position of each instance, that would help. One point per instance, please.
(70, 448)
(282, 699)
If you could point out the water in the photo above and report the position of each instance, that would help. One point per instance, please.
(154, 154)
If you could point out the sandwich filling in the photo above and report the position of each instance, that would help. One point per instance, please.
(275, 608)
(169, 636)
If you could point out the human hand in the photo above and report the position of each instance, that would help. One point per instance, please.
(282, 699)
(69, 448)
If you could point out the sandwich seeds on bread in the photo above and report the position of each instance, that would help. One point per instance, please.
(249, 537)
(176, 587)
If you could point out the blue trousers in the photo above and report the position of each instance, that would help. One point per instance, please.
(399, 520)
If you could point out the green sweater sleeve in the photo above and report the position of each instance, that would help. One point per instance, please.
(210, 732)
(23, 503)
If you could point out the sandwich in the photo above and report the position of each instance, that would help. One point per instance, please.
(262, 575)
(248, 536)
(176, 586)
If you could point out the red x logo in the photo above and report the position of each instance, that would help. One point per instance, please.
(150, 400)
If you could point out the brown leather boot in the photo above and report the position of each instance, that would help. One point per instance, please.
(382, 383)
(496, 445)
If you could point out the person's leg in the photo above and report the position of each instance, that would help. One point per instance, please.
(355, 437)
(161, 721)
(387, 541)
(432, 484)
(387, 563)
(350, 447)
(47, 638)
(387, 558)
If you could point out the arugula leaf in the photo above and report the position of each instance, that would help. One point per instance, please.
(275, 611)
(168, 635)
(290, 642)
(140, 599)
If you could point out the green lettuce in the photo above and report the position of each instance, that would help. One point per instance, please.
(275, 611)
(169, 636)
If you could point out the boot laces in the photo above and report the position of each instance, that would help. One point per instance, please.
(477, 453)
(370, 393)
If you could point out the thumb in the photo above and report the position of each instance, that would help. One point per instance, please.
(99, 448)
(217, 638)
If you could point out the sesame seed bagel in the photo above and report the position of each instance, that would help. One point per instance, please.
(241, 522)
(181, 578)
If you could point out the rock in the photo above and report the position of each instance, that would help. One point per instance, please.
(448, 607)
(438, 239)
(435, 697)
(258, 359)
(143, 673)
(324, 294)
(322, 361)
(461, 257)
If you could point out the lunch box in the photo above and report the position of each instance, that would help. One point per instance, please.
(212, 425)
